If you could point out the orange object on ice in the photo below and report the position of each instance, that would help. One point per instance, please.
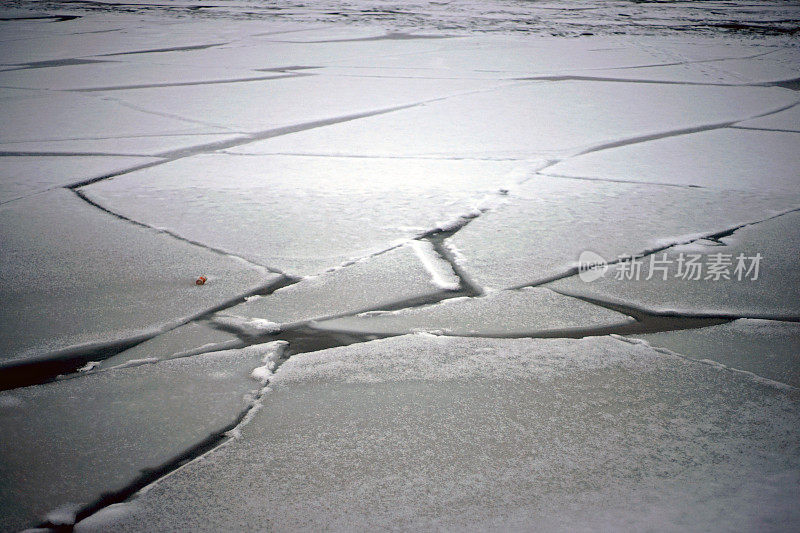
(201, 280)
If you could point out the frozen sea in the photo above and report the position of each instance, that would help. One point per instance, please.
(500, 265)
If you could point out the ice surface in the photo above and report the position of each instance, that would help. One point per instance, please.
(374, 283)
(303, 215)
(71, 441)
(529, 311)
(120, 74)
(725, 158)
(73, 275)
(788, 120)
(21, 176)
(533, 119)
(62, 115)
(767, 348)
(773, 293)
(440, 433)
(549, 222)
(261, 105)
(192, 338)
(110, 144)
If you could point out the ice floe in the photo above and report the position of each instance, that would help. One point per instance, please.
(74, 441)
(72, 276)
(422, 432)
(525, 312)
(752, 273)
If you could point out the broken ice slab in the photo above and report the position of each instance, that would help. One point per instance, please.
(25, 175)
(533, 119)
(767, 348)
(69, 443)
(525, 312)
(61, 115)
(257, 106)
(112, 146)
(728, 158)
(752, 273)
(549, 222)
(408, 275)
(189, 339)
(303, 215)
(788, 120)
(73, 277)
(446, 433)
(96, 76)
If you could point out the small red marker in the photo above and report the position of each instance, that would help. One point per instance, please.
(201, 280)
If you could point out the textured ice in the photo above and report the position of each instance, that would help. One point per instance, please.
(188, 339)
(374, 283)
(303, 214)
(714, 158)
(262, 105)
(533, 119)
(73, 275)
(71, 441)
(120, 146)
(767, 348)
(774, 294)
(441, 433)
(62, 115)
(788, 120)
(529, 311)
(549, 222)
(21, 176)
(120, 74)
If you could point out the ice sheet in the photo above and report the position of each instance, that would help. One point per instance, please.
(261, 105)
(788, 120)
(533, 119)
(121, 146)
(192, 338)
(726, 158)
(73, 275)
(303, 215)
(374, 283)
(426, 433)
(770, 290)
(22, 176)
(62, 116)
(530, 311)
(767, 348)
(549, 222)
(69, 442)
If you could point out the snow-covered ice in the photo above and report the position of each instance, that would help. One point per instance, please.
(788, 120)
(533, 119)
(72, 275)
(379, 282)
(424, 433)
(714, 159)
(303, 215)
(548, 222)
(72, 441)
(767, 348)
(756, 276)
(525, 312)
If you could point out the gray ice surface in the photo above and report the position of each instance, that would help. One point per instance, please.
(524, 312)
(441, 433)
(67, 443)
(72, 276)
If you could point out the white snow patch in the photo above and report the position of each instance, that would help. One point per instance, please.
(138, 362)
(273, 351)
(441, 272)
(252, 327)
